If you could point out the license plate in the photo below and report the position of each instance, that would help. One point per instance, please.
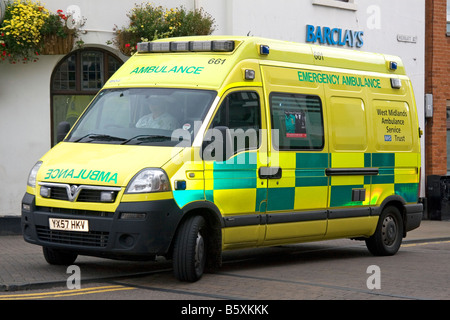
(69, 225)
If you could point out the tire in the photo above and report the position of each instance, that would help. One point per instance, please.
(387, 239)
(189, 253)
(59, 257)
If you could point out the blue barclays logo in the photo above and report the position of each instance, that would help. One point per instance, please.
(388, 138)
(335, 36)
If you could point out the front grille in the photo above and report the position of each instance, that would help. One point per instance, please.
(59, 194)
(84, 196)
(86, 239)
(82, 193)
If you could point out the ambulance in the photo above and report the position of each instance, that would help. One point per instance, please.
(198, 145)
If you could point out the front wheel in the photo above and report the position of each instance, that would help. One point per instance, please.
(389, 233)
(189, 253)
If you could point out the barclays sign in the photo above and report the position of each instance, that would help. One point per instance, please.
(334, 36)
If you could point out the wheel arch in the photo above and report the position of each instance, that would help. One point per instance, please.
(398, 202)
(214, 221)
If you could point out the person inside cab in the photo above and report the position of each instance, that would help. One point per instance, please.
(159, 118)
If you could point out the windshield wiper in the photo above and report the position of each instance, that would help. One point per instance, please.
(100, 137)
(147, 138)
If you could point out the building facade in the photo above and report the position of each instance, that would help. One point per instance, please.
(35, 96)
(437, 84)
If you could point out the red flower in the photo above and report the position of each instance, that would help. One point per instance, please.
(127, 45)
(59, 11)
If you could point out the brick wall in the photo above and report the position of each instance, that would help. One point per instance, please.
(437, 82)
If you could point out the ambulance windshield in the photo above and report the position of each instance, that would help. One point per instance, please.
(147, 116)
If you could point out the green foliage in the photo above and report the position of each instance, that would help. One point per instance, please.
(26, 29)
(148, 23)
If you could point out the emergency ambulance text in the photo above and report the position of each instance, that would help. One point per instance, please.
(167, 69)
(318, 77)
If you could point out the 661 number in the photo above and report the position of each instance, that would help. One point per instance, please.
(318, 55)
(216, 61)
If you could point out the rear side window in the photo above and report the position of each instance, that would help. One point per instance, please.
(297, 121)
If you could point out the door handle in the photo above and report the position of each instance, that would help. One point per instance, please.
(270, 172)
(352, 171)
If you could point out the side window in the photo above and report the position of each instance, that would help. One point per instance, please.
(297, 121)
(241, 113)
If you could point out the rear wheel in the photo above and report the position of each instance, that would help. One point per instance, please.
(59, 257)
(389, 233)
(189, 254)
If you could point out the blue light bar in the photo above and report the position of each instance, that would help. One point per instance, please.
(180, 46)
(159, 46)
(185, 46)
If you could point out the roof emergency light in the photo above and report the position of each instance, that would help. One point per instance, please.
(159, 46)
(200, 46)
(224, 46)
(142, 47)
(264, 50)
(180, 46)
(184, 46)
(393, 65)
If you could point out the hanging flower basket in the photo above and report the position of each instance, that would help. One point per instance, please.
(148, 22)
(124, 40)
(30, 30)
(54, 44)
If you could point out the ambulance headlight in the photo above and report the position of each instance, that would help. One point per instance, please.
(149, 180)
(33, 173)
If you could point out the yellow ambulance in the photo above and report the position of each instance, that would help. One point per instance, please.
(199, 145)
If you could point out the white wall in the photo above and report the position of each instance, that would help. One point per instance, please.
(25, 89)
(24, 126)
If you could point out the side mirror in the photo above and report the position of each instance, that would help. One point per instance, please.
(217, 144)
(62, 131)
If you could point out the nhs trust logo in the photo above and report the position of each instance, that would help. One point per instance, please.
(388, 138)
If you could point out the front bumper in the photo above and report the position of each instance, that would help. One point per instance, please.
(109, 235)
(414, 214)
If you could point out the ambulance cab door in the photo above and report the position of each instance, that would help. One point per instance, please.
(298, 194)
(232, 183)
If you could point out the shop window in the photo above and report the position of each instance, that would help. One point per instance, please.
(341, 4)
(76, 80)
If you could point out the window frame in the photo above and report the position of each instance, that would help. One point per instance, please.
(78, 91)
(346, 5)
(225, 102)
(277, 146)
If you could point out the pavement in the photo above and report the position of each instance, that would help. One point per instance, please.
(22, 265)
